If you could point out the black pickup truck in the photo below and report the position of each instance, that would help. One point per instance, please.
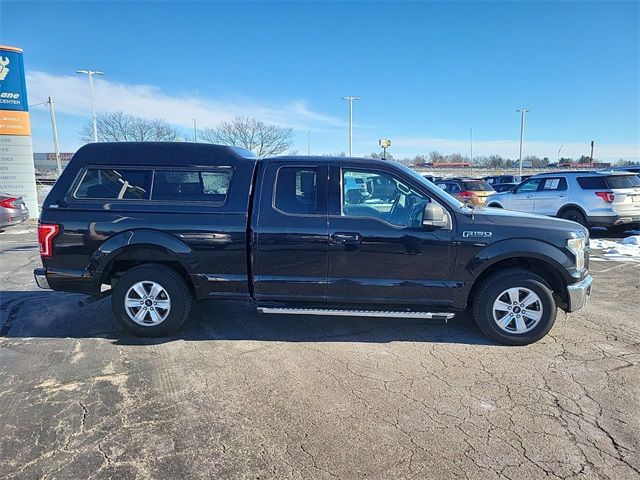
(156, 225)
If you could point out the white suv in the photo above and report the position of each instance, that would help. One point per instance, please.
(594, 198)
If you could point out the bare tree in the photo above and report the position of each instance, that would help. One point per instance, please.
(261, 138)
(120, 127)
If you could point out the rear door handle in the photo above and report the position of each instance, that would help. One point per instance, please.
(346, 238)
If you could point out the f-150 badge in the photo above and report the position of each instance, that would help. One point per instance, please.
(468, 233)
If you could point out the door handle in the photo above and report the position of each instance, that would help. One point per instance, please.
(346, 238)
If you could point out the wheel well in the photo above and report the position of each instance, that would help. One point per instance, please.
(571, 207)
(142, 256)
(495, 205)
(549, 273)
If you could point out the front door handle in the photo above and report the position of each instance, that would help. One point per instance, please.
(346, 238)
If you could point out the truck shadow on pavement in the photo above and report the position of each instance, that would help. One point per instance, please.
(44, 314)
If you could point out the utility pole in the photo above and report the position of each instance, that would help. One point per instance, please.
(471, 145)
(90, 74)
(195, 131)
(559, 154)
(54, 129)
(350, 99)
(591, 159)
(309, 143)
(522, 111)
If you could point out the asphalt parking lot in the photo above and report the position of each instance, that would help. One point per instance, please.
(238, 395)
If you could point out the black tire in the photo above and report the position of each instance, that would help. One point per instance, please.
(490, 291)
(175, 289)
(575, 216)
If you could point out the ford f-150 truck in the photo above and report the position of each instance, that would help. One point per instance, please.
(156, 225)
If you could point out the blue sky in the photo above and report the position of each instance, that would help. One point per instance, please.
(427, 72)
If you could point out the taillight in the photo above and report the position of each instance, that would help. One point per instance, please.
(46, 233)
(608, 197)
(466, 194)
(9, 202)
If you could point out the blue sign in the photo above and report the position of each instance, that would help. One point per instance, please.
(13, 88)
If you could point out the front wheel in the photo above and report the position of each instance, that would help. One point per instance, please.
(514, 307)
(151, 300)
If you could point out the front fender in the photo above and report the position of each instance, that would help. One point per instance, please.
(523, 248)
(174, 249)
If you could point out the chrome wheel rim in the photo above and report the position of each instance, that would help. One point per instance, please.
(147, 303)
(517, 310)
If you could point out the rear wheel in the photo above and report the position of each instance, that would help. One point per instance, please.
(514, 307)
(151, 300)
(575, 216)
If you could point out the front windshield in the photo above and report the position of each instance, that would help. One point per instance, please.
(432, 187)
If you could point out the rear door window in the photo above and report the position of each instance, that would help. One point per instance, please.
(296, 190)
(114, 184)
(554, 184)
(191, 186)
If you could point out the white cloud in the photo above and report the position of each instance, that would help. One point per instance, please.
(71, 94)
(510, 148)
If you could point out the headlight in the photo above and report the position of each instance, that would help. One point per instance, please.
(577, 247)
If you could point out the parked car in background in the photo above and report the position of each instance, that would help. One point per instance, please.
(498, 179)
(504, 187)
(471, 191)
(594, 198)
(629, 168)
(12, 210)
(432, 178)
(355, 190)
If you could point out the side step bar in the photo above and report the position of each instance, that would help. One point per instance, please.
(356, 313)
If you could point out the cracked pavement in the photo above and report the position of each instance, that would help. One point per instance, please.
(237, 395)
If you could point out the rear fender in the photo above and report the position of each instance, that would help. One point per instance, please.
(154, 244)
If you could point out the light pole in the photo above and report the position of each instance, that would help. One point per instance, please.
(54, 130)
(90, 74)
(522, 111)
(471, 146)
(559, 154)
(350, 99)
(309, 143)
(195, 130)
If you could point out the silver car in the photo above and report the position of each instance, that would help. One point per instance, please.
(592, 198)
(12, 210)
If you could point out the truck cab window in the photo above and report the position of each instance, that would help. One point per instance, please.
(296, 190)
(381, 195)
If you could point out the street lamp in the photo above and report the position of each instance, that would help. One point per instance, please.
(559, 154)
(522, 111)
(350, 99)
(90, 74)
(54, 130)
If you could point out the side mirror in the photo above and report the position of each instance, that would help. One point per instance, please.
(434, 216)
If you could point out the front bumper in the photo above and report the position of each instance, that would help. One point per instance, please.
(40, 274)
(578, 293)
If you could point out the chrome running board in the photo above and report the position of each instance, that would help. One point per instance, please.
(356, 313)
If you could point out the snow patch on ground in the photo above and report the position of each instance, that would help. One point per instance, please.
(627, 249)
